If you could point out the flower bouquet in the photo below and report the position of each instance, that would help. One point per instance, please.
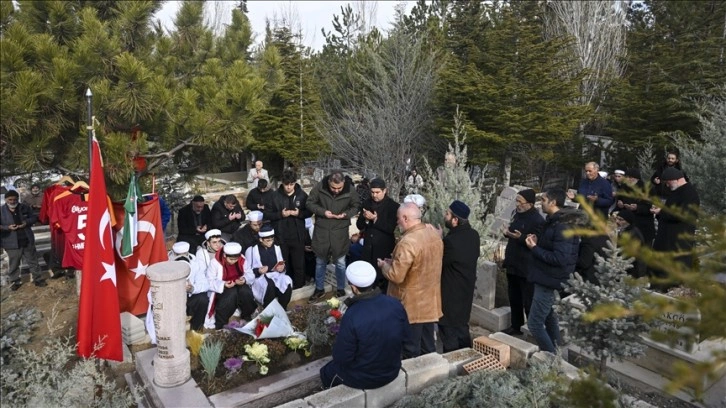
(271, 323)
(258, 353)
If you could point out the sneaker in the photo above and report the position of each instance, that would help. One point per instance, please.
(512, 332)
(41, 284)
(15, 286)
(340, 293)
(317, 295)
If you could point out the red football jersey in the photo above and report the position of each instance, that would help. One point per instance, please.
(70, 212)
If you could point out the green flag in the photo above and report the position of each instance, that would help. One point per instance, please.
(131, 219)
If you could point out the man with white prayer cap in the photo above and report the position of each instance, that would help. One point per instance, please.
(232, 285)
(248, 235)
(266, 263)
(367, 349)
(197, 285)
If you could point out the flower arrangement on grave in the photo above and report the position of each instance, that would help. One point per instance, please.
(233, 364)
(262, 323)
(334, 315)
(298, 342)
(258, 353)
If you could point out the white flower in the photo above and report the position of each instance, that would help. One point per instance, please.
(334, 303)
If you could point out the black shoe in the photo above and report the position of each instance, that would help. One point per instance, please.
(512, 332)
(340, 293)
(15, 286)
(58, 274)
(317, 295)
(41, 284)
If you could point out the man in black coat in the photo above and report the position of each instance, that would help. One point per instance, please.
(287, 210)
(675, 233)
(377, 222)
(227, 215)
(458, 276)
(193, 221)
(526, 220)
(258, 196)
(640, 208)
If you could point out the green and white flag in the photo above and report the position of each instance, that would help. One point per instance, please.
(131, 220)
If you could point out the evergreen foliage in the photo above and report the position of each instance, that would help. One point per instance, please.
(56, 377)
(608, 339)
(453, 181)
(706, 158)
(534, 386)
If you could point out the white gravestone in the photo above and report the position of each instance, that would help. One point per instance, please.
(169, 297)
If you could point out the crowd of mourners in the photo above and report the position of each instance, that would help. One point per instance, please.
(408, 280)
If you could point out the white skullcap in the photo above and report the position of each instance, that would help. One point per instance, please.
(232, 248)
(417, 199)
(254, 216)
(603, 174)
(212, 233)
(180, 248)
(619, 172)
(361, 274)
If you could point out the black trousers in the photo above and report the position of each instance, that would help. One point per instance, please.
(455, 337)
(227, 302)
(421, 340)
(273, 292)
(294, 254)
(520, 298)
(197, 308)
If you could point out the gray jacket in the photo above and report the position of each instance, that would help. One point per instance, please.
(8, 238)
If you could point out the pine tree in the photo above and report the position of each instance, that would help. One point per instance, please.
(607, 339)
(453, 181)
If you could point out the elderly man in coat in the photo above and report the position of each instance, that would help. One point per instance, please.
(415, 270)
(334, 202)
(458, 276)
(18, 239)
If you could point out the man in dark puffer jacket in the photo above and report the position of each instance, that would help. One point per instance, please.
(553, 261)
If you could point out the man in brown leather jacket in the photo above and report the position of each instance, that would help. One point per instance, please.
(414, 276)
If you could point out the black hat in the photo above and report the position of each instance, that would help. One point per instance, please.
(460, 209)
(627, 215)
(266, 231)
(12, 193)
(378, 183)
(633, 172)
(671, 173)
(528, 195)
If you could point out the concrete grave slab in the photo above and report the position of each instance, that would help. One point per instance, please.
(185, 395)
(423, 371)
(486, 285)
(569, 371)
(520, 350)
(494, 320)
(275, 389)
(338, 397)
(388, 394)
(298, 403)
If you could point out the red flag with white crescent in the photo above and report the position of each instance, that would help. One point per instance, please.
(99, 319)
(132, 281)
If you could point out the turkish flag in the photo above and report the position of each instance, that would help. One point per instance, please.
(99, 320)
(151, 248)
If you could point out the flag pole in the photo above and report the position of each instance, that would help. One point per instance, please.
(89, 127)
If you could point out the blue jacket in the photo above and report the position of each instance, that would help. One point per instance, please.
(554, 257)
(600, 187)
(367, 350)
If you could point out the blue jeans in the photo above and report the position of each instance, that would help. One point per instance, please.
(320, 269)
(542, 319)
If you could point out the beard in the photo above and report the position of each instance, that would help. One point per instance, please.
(12, 206)
(448, 224)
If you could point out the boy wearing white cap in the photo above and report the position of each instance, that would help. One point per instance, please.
(248, 235)
(197, 285)
(231, 284)
(266, 263)
(367, 350)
